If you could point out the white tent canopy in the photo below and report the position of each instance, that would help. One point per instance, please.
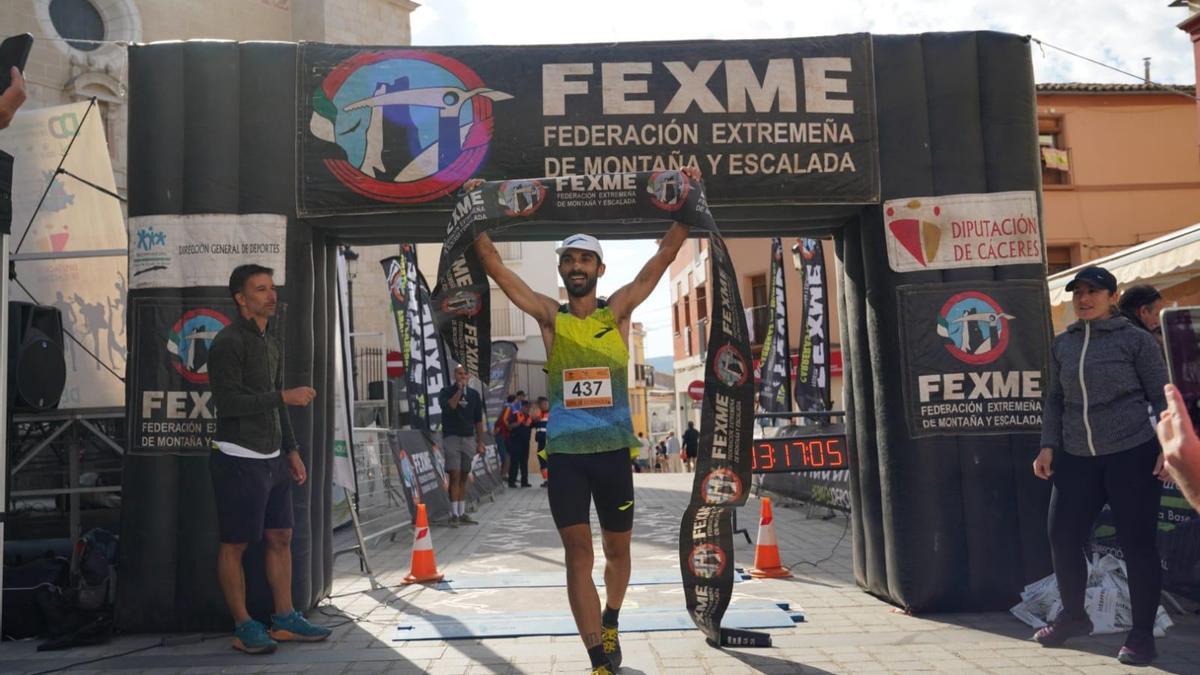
(1167, 261)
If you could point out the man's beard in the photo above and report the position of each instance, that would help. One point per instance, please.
(580, 291)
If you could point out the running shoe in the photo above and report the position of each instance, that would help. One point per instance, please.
(1062, 630)
(251, 637)
(454, 521)
(611, 642)
(1138, 649)
(294, 627)
(467, 520)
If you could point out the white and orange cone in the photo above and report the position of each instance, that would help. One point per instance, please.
(766, 551)
(424, 567)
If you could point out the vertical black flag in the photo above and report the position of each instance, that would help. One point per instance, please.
(812, 371)
(774, 389)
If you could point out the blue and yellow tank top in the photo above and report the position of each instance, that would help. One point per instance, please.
(588, 374)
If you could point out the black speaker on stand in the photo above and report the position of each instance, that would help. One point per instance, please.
(37, 365)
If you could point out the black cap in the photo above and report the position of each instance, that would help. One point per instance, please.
(1094, 276)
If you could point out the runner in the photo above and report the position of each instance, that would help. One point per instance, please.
(590, 431)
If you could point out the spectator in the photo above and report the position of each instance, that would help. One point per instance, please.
(519, 435)
(673, 453)
(691, 446)
(541, 420)
(1142, 305)
(1096, 448)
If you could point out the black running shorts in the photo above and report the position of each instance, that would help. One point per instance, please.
(603, 477)
(251, 494)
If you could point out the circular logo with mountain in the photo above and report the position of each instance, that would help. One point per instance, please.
(707, 561)
(668, 189)
(729, 367)
(721, 486)
(406, 126)
(974, 326)
(521, 197)
(190, 340)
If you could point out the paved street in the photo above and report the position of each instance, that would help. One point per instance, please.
(847, 630)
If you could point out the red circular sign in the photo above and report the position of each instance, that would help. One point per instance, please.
(696, 390)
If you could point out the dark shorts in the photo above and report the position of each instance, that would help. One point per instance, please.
(252, 495)
(603, 477)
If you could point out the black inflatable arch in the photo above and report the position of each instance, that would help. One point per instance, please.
(944, 523)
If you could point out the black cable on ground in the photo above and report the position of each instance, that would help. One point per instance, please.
(831, 552)
(100, 658)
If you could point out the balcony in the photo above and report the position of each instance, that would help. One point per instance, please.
(643, 374)
(509, 250)
(507, 322)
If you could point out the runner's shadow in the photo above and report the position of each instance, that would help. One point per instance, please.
(769, 664)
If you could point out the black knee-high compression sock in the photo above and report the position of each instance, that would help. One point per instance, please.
(596, 654)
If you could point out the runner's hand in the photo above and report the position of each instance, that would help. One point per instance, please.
(299, 396)
(1041, 465)
(472, 184)
(296, 466)
(693, 172)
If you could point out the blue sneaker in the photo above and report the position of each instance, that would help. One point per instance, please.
(293, 626)
(251, 637)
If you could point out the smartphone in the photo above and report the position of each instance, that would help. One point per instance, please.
(1181, 337)
(14, 51)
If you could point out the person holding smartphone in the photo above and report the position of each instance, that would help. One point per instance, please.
(1181, 447)
(1099, 447)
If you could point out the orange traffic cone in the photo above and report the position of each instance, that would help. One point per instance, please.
(766, 551)
(424, 567)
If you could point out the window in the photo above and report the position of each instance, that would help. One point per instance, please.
(1055, 156)
(687, 312)
(79, 21)
(758, 290)
(1058, 259)
(701, 303)
(758, 308)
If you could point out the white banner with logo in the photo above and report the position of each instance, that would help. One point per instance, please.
(174, 251)
(971, 230)
(74, 218)
(343, 393)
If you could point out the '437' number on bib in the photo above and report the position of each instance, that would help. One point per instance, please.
(587, 388)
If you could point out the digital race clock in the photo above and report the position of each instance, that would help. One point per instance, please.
(818, 451)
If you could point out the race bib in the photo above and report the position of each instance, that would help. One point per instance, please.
(587, 388)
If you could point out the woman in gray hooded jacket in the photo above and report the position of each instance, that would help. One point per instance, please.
(1099, 446)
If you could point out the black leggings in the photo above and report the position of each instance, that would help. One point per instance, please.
(1082, 485)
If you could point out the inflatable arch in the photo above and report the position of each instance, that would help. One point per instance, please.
(282, 152)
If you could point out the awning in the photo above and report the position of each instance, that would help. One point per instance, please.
(1164, 262)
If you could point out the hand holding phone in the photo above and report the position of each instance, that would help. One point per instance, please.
(14, 51)
(1181, 339)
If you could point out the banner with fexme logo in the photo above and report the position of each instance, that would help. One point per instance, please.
(726, 426)
(504, 360)
(973, 356)
(954, 231)
(197, 250)
(382, 129)
(171, 408)
(774, 390)
(813, 372)
(422, 469)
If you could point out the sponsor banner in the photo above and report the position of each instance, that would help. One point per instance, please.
(420, 351)
(972, 356)
(73, 218)
(433, 358)
(813, 362)
(422, 469)
(343, 392)
(504, 361)
(198, 250)
(171, 408)
(727, 419)
(1178, 541)
(385, 129)
(952, 231)
(484, 478)
(774, 389)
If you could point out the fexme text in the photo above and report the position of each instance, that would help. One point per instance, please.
(621, 86)
(988, 385)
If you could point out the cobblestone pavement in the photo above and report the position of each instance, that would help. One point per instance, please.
(847, 630)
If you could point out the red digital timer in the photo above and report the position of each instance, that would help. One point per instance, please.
(816, 452)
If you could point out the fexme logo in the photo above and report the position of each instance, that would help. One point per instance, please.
(721, 486)
(920, 238)
(413, 125)
(975, 327)
(707, 561)
(729, 367)
(190, 340)
(521, 197)
(668, 189)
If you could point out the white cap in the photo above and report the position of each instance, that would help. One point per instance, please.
(583, 242)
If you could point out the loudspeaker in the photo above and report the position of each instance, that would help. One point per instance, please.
(37, 366)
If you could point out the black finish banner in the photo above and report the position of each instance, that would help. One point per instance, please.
(422, 471)
(726, 427)
(433, 358)
(171, 410)
(774, 389)
(973, 356)
(385, 129)
(812, 369)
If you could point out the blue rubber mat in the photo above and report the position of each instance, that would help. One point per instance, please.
(744, 615)
(559, 578)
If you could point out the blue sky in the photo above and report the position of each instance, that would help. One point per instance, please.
(1119, 33)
